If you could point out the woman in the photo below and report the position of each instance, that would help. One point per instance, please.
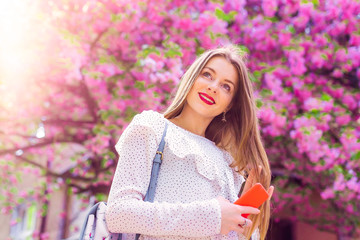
(212, 139)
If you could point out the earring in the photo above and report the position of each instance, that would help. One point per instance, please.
(223, 118)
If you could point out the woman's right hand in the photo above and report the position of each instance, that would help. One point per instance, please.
(231, 218)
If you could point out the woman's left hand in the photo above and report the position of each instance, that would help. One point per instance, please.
(251, 180)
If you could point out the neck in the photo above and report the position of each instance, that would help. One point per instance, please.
(192, 121)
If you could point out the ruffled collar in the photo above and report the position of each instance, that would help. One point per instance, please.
(186, 131)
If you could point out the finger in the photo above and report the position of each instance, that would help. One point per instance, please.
(270, 191)
(250, 180)
(244, 223)
(239, 229)
(248, 210)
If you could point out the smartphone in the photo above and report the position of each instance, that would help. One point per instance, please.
(254, 197)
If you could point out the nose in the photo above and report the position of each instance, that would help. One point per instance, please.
(212, 88)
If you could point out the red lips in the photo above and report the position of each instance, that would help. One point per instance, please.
(206, 98)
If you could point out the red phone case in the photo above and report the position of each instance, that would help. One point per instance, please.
(254, 197)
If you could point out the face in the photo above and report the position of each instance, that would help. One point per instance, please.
(214, 88)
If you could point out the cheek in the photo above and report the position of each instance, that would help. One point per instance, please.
(200, 83)
(227, 98)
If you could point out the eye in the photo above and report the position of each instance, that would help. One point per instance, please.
(227, 87)
(207, 75)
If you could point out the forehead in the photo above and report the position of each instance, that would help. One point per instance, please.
(223, 68)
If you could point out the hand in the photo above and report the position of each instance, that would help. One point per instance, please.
(231, 218)
(251, 181)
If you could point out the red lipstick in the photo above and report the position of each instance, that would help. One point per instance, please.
(206, 98)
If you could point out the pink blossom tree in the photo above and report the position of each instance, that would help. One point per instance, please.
(100, 62)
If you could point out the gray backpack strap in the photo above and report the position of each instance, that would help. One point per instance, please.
(91, 211)
(150, 194)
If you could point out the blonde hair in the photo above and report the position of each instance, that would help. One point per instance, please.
(240, 134)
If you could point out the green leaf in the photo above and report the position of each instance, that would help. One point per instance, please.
(338, 168)
(355, 156)
(103, 162)
(314, 111)
(44, 210)
(130, 113)
(325, 97)
(14, 190)
(147, 50)
(315, 3)
(199, 50)
(140, 85)
(171, 53)
(306, 132)
(269, 69)
(278, 138)
(243, 48)
(105, 114)
(253, 78)
(272, 19)
(116, 17)
(266, 92)
(111, 155)
(100, 197)
(156, 95)
(291, 29)
(324, 56)
(257, 74)
(259, 103)
(98, 130)
(220, 14)
(151, 86)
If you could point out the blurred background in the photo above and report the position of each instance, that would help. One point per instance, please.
(73, 73)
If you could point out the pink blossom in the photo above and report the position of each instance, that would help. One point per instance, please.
(296, 134)
(284, 38)
(339, 184)
(267, 114)
(236, 5)
(353, 184)
(343, 120)
(336, 28)
(320, 40)
(269, 7)
(317, 59)
(44, 236)
(337, 73)
(297, 63)
(349, 101)
(350, 209)
(354, 40)
(327, 194)
(341, 55)
(311, 103)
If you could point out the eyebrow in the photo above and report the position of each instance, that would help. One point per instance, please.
(226, 80)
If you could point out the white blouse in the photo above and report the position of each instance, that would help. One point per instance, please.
(194, 171)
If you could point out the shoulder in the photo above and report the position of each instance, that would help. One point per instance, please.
(143, 128)
(150, 120)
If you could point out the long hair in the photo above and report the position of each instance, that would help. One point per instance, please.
(240, 134)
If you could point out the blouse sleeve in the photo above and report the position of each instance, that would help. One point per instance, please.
(128, 213)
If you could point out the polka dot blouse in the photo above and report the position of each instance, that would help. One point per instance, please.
(193, 173)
